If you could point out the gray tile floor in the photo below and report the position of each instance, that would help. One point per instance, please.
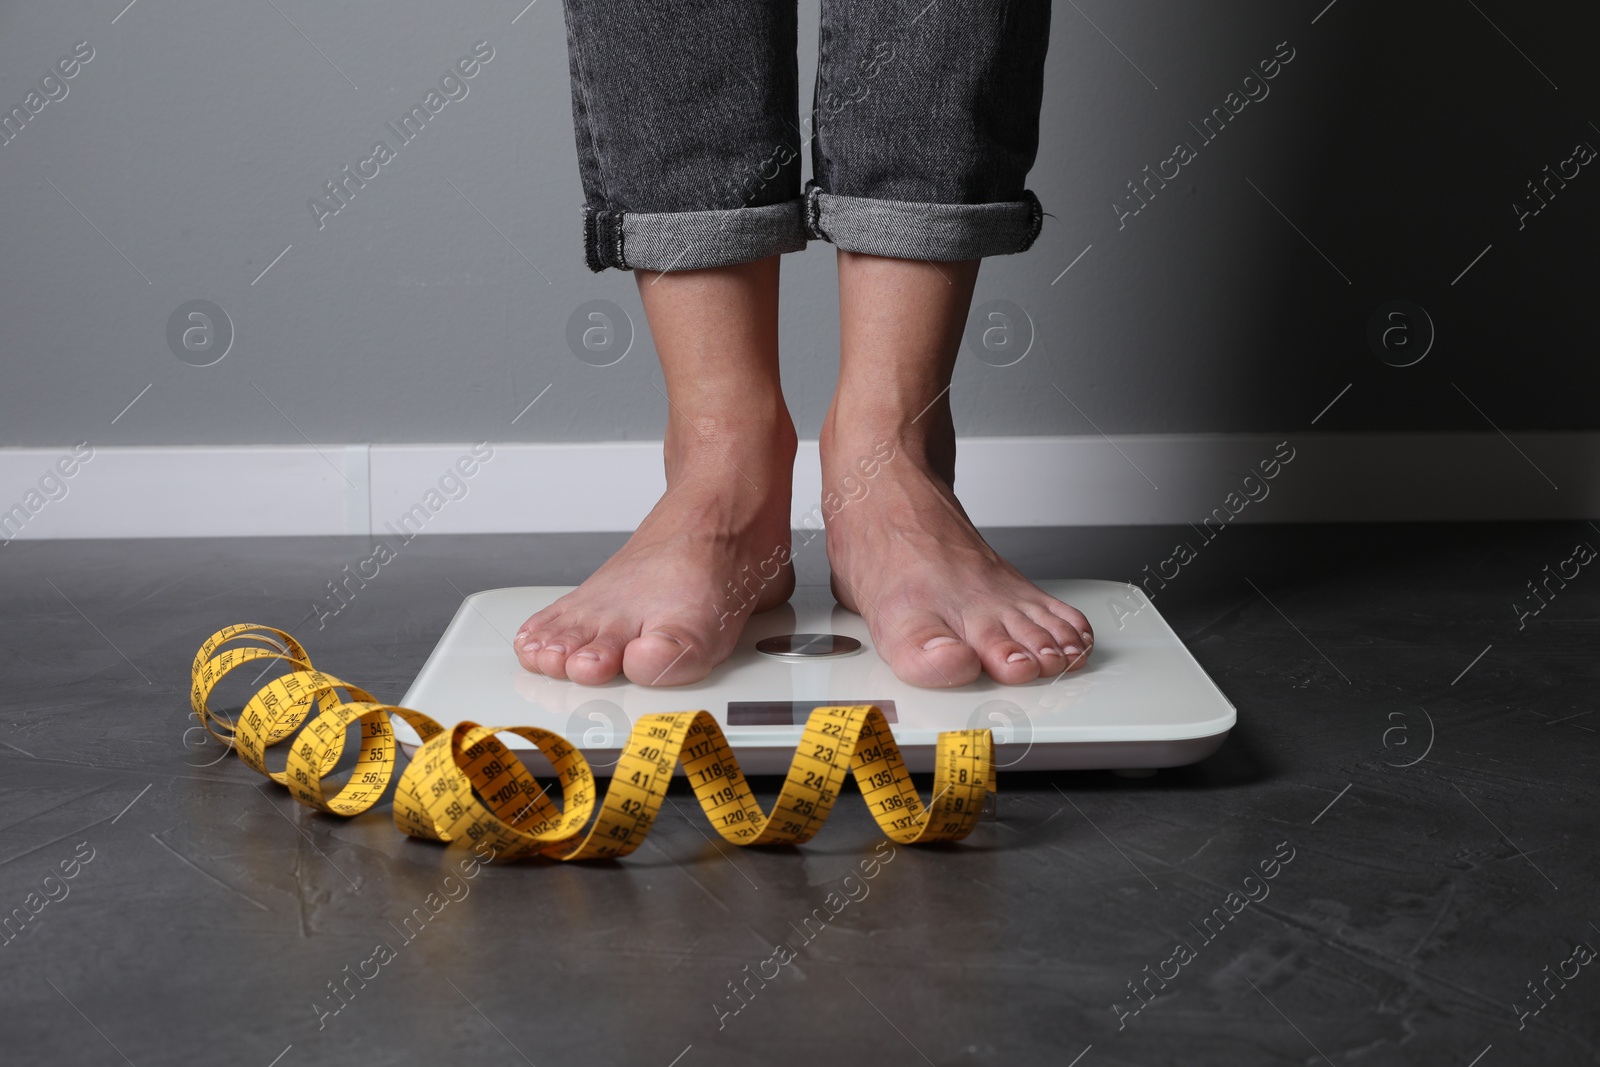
(1415, 766)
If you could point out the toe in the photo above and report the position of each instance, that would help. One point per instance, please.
(1073, 641)
(1067, 612)
(600, 660)
(924, 651)
(666, 656)
(1005, 659)
(532, 637)
(1041, 641)
(528, 645)
(553, 656)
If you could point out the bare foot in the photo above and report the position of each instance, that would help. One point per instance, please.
(941, 604)
(670, 605)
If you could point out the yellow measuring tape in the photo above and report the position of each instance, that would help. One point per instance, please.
(464, 785)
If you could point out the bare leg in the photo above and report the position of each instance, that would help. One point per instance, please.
(941, 604)
(665, 609)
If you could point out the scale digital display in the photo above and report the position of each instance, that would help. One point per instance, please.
(792, 712)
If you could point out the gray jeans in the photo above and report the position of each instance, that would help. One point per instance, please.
(924, 123)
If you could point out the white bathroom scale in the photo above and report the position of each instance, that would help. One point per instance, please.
(1141, 703)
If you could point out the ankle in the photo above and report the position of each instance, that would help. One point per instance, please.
(854, 434)
(760, 432)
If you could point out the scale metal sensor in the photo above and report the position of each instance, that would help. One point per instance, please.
(1141, 703)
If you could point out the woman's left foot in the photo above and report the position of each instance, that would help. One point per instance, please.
(941, 604)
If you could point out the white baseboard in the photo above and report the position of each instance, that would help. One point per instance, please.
(1023, 481)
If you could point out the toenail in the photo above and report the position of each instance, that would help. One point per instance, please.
(555, 647)
(1071, 650)
(587, 655)
(940, 642)
(1016, 657)
(530, 646)
(1049, 652)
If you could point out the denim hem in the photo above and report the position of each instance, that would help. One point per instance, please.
(909, 230)
(602, 238)
(690, 240)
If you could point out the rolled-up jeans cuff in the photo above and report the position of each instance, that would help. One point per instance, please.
(908, 230)
(690, 240)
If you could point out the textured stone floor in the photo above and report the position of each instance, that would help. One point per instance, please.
(1414, 767)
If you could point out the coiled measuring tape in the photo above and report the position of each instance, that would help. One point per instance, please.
(464, 785)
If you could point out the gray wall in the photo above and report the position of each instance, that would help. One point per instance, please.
(1395, 142)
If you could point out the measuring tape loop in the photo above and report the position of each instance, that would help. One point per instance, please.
(210, 666)
(464, 784)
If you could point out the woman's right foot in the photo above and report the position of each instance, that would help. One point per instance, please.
(670, 605)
